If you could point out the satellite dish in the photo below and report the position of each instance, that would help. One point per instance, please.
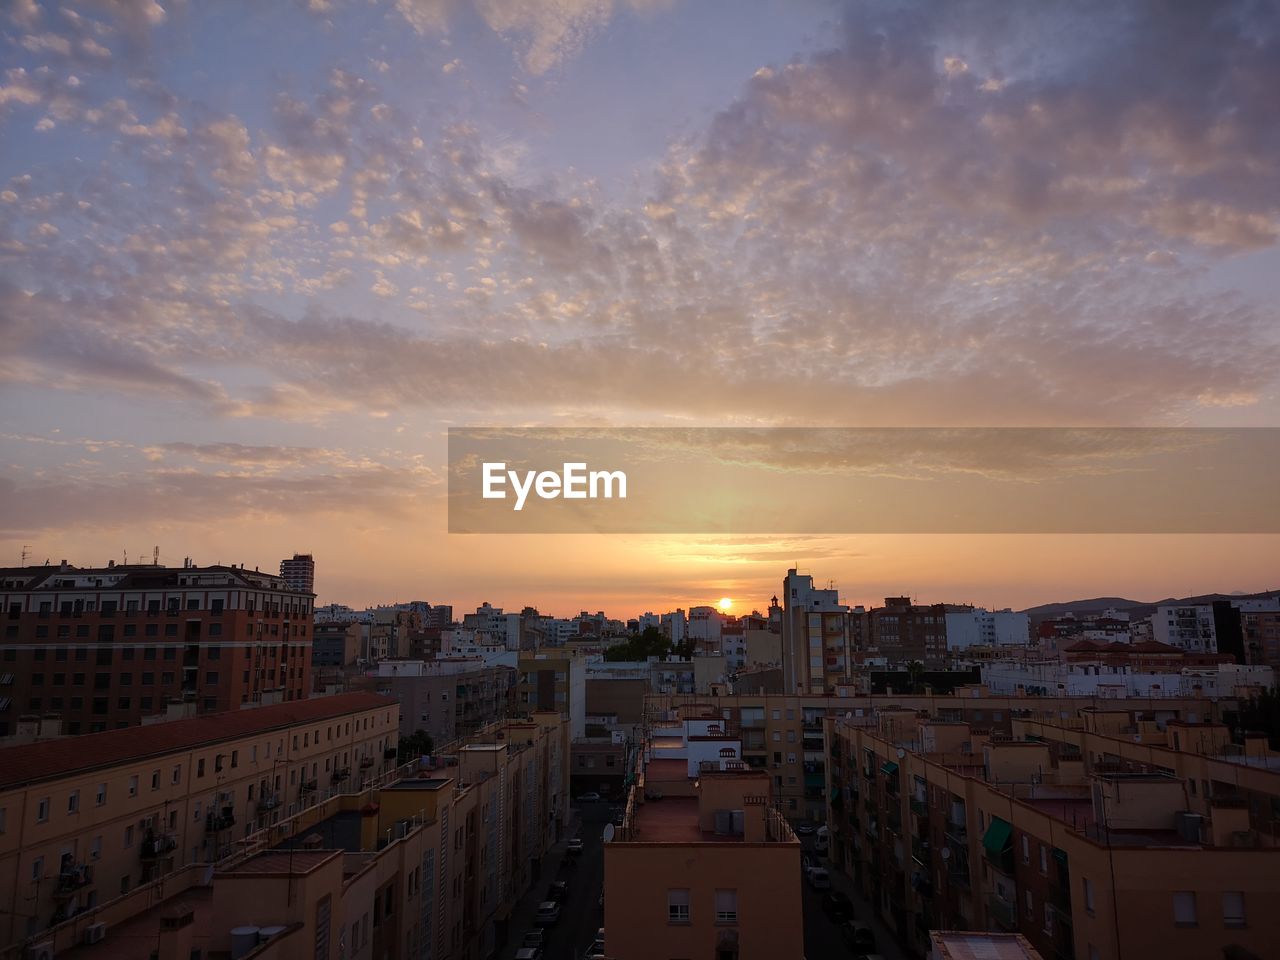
(945, 853)
(848, 714)
(608, 832)
(901, 753)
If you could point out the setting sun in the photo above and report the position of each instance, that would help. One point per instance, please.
(725, 604)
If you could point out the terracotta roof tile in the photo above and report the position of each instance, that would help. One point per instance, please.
(53, 759)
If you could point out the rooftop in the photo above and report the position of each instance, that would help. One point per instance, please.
(674, 820)
(56, 759)
(965, 945)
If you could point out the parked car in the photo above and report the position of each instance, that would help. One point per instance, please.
(819, 879)
(837, 906)
(805, 829)
(558, 891)
(575, 845)
(595, 950)
(806, 862)
(858, 936)
(548, 913)
(822, 842)
(534, 938)
(529, 953)
(591, 797)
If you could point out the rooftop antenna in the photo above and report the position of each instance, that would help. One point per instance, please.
(26, 551)
(155, 555)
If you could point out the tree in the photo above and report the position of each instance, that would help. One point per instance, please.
(417, 744)
(640, 647)
(915, 669)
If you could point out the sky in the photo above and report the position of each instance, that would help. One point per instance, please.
(257, 258)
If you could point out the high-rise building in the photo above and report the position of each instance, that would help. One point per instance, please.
(817, 652)
(904, 632)
(300, 572)
(105, 647)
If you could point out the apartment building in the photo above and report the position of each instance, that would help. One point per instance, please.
(817, 648)
(335, 643)
(903, 632)
(1261, 630)
(1059, 832)
(783, 734)
(104, 647)
(299, 572)
(1189, 627)
(554, 680)
(84, 820)
(704, 865)
(423, 865)
(448, 698)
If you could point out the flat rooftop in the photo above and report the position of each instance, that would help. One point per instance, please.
(282, 861)
(338, 832)
(135, 938)
(674, 820)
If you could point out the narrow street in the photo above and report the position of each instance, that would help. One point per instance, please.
(822, 939)
(580, 914)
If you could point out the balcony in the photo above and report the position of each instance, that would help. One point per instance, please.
(1002, 912)
(217, 822)
(308, 786)
(366, 763)
(157, 846)
(389, 753)
(920, 808)
(956, 833)
(341, 774)
(920, 851)
(268, 802)
(74, 877)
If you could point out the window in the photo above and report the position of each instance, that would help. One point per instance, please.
(1044, 860)
(42, 810)
(73, 802)
(37, 868)
(1026, 849)
(726, 906)
(1048, 919)
(177, 774)
(1233, 909)
(155, 779)
(133, 785)
(1184, 908)
(101, 798)
(1088, 895)
(128, 836)
(677, 906)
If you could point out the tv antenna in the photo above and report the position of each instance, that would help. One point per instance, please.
(26, 552)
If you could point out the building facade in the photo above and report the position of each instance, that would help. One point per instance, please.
(102, 648)
(84, 820)
(299, 573)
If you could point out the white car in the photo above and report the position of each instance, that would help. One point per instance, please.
(548, 913)
(529, 953)
(589, 798)
(575, 845)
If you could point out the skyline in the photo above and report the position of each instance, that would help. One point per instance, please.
(255, 260)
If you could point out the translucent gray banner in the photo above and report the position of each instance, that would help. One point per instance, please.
(864, 480)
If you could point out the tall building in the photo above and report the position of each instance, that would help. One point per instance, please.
(817, 653)
(1190, 627)
(556, 682)
(104, 647)
(299, 573)
(712, 869)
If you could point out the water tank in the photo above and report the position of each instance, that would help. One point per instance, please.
(243, 939)
(266, 933)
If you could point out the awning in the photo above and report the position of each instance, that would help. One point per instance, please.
(999, 836)
(889, 768)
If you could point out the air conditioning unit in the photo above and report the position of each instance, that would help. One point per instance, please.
(40, 951)
(95, 933)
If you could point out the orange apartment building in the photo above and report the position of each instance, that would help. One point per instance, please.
(1103, 835)
(705, 865)
(783, 734)
(414, 863)
(87, 820)
(92, 649)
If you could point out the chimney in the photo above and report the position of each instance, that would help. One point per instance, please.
(62, 565)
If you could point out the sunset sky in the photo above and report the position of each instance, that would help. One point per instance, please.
(257, 257)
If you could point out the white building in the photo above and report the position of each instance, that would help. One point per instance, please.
(1085, 679)
(987, 628)
(1187, 627)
